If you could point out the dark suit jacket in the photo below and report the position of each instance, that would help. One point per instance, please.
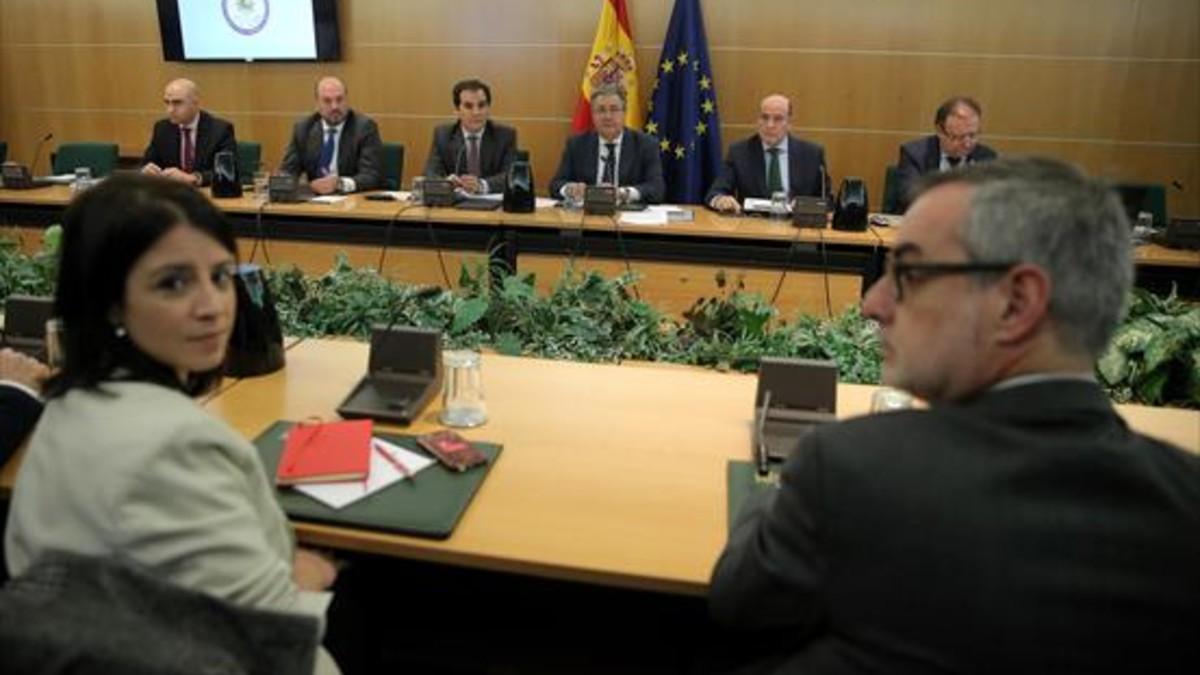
(744, 173)
(923, 156)
(640, 167)
(497, 149)
(213, 135)
(359, 150)
(19, 412)
(1027, 531)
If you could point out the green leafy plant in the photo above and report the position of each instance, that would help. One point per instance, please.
(1154, 357)
(29, 275)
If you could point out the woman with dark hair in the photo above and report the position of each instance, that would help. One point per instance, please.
(124, 462)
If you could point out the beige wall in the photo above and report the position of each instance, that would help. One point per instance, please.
(1112, 84)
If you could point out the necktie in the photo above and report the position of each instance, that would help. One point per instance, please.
(609, 177)
(473, 155)
(953, 161)
(774, 177)
(326, 152)
(189, 149)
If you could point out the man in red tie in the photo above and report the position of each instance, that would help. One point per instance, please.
(183, 145)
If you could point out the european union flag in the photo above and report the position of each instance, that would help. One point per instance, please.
(682, 113)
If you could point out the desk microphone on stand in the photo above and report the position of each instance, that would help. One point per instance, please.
(37, 152)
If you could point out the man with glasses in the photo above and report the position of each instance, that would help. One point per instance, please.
(610, 155)
(958, 123)
(772, 160)
(1017, 525)
(474, 152)
(184, 145)
(337, 148)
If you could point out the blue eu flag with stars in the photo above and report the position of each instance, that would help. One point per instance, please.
(682, 113)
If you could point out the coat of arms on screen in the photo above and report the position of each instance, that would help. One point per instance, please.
(246, 16)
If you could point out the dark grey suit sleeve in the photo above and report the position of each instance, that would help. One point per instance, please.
(151, 154)
(726, 182)
(652, 187)
(508, 153)
(772, 569)
(908, 170)
(564, 174)
(226, 142)
(369, 172)
(293, 157)
(434, 166)
(19, 412)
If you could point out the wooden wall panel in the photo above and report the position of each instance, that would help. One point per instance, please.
(1112, 84)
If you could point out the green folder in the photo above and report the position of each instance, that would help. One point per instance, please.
(742, 479)
(428, 505)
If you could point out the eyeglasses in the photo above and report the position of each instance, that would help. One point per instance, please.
(906, 273)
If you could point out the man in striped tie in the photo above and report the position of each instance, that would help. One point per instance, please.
(183, 146)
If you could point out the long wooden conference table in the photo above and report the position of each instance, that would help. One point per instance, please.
(827, 270)
(611, 474)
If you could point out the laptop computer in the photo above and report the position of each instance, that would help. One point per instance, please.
(802, 395)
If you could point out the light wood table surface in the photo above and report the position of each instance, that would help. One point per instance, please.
(611, 474)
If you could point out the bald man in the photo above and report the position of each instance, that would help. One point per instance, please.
(184, 144)
(772, 160)
(337, 148)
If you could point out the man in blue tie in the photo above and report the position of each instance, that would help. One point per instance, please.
(772, 160)
(337, 148)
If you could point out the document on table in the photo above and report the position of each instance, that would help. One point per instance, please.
(328, 199)
(381, 474)
(656, 214)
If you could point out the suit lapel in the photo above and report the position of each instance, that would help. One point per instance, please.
(316, 136)
(628, 156)
(487, 148)
(933, 154)
(591, 157)
(203, 136)
(345, 145)
(758, 171)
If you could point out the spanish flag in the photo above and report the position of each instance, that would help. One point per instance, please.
(611, 61)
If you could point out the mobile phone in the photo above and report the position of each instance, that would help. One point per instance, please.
(452, 450)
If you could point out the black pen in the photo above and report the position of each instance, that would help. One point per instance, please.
(761, 458)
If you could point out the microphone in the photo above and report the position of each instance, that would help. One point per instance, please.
(762, 458)
(37, 153)
(824, 186)
(462, 151)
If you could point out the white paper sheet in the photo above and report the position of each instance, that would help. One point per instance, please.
(381, 474)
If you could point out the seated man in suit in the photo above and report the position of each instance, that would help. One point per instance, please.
(473, 152)
(610, 155)
(1017, 525)
(958, 122)
(337, 148)
(183, 145)
(770, 161)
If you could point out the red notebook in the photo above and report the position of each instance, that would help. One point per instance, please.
(325, 452)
